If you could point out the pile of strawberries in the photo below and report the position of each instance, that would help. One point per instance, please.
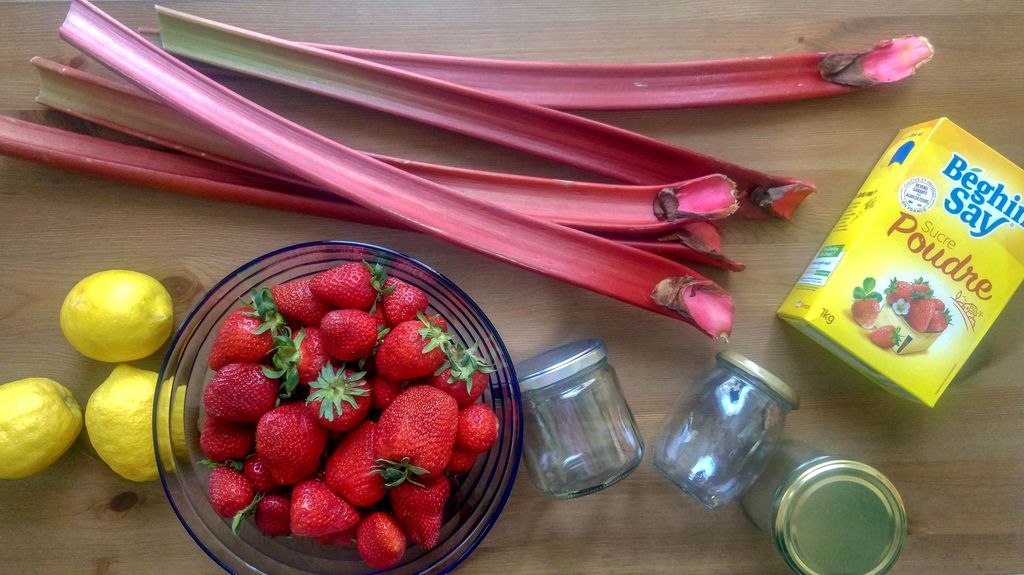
(914, 301)
(340, 411)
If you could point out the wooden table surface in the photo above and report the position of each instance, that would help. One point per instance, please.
(959, 466)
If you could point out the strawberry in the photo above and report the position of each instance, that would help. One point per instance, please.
(346, 286)
(223, 440)
(419, 509)
(383, 391)
(920, 314)
(463, 393)
(346, 538)
(230, 491)
(273, 516)
(415, 434)
(296, 301)
(412, 349)
(463, 376)
(438, 322)
(941, 318)
(240, 392)
(241, 338)
(920, 286)
(317, 511)
(312, 356)
(461, 460)
(897, 290)
(339, 399)
(349, 334)
(380, 540)
(867, 303)
(865, 311)
(401, 301)
(259, 474)
(350, 470)
(290, 442)
(886, 336)
(297, 360)
(478, 428)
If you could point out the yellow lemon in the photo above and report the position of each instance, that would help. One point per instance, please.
(119, 421)
(39, 420)
(117, 315)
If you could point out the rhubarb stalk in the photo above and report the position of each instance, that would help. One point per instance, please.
(604, 266)
(604, 208)
(202, 178)
(639, 86)
(562, 137)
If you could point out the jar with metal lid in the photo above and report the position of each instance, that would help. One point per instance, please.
(827, 515)
(715, 442)
(579, 433)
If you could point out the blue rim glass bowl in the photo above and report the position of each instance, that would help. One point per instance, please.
(475, 502)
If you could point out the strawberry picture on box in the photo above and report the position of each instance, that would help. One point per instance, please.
(908, 319)
(339, 410)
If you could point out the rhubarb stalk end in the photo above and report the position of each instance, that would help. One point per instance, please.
(708, 306)
(889, 61)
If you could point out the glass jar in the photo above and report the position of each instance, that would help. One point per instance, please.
(827, 515)
(715, 442)
(579, 434)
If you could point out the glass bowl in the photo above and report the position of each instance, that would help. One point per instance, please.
(475, 502)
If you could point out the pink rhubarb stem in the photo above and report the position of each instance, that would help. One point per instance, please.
(604, 266)
(562, 137)
(163, 170)
(202, 178)
(604, 208)
(639, 86)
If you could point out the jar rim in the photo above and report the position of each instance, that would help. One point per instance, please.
(772, 383)
(558, 364)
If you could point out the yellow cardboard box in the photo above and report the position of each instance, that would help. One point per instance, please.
(922, 262)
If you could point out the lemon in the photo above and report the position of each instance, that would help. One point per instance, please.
(117, 315)
(39, 420)
(119, 422)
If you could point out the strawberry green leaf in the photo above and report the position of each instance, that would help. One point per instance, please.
(858, 293)
(875, 296)
(264, 308)
(236, 521)
(397, 472)
(869, 284)
(333, 387)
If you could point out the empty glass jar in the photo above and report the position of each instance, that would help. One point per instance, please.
(579, 434)
(716, 441)
(827, 515)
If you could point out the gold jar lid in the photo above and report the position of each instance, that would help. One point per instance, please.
(771, 382)
(838, 516)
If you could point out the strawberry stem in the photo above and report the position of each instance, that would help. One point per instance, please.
(285, 360)
(263, 307)
(336, 386)
(463, 363)
(397, 472)
(435, 337)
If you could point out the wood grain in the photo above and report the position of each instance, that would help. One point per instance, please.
(960, 466)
